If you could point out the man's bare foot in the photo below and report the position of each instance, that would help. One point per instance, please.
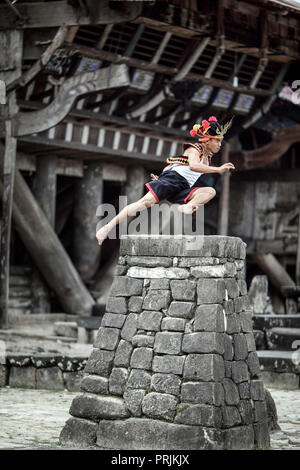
(187, 209)
(102, 234)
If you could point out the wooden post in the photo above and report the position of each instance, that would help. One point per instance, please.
(7, 201)
(88, 196)
(44, 189)
(134, 187)
(223, 216)
(11, 47)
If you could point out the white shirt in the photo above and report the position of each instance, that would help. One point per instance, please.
(185, 171)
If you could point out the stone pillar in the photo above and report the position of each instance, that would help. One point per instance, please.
(44, 190)
(174, 365)
(135, 184)
(44, 186)
(88, 196)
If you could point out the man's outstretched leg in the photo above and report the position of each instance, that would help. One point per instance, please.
(198, 198)
(147, 201)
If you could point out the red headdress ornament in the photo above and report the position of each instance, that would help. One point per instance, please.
(205, 131)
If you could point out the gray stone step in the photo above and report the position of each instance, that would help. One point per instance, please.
(266, 322)
(16, 313)
(21, 302)
(64, 328)
(19, 291)
(41, 318)
(283, 339)
(280, 361)
(22, 334)
(15, 280)
(20, 270)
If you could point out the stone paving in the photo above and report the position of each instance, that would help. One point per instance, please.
(33, 419)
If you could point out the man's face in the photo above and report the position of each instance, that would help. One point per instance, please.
(214, 145)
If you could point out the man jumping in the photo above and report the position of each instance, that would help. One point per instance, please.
(180, 182)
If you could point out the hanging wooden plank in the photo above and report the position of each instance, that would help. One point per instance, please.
(110, 77)
(7, 202)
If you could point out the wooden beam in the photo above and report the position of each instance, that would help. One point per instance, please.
(100, 120)
(104, 36)
(181, 21)
(100, 152)
(161, 48)
(64, 166)
(152, 67)
(69, 167)
(38, 121)
(72, 33)
(43, 60)
(223, 216)
(274, 270)
(53, 14)
(276, 247)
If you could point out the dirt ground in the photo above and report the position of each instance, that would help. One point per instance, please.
(33, 419)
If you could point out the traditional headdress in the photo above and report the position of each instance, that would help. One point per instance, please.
(210, 129)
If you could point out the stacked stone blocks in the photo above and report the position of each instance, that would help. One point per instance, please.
(175, 354)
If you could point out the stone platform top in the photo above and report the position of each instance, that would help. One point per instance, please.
(183, 245)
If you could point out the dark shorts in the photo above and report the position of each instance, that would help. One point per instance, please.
(173, 187)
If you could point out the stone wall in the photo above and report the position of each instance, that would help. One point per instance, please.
(42, 371)
(174, 364)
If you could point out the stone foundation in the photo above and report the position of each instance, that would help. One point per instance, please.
(174, 364)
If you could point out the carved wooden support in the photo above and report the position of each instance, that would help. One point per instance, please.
(102, 79)
(45, 57)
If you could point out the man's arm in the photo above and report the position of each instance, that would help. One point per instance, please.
(202, 168)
